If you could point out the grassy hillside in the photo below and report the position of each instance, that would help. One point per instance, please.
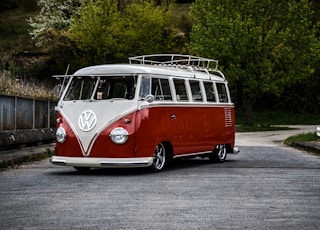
(14, 37)
(15, 40)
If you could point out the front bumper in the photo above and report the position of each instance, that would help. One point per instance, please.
(102, 162)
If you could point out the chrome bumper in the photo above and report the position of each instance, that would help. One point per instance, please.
(236, 150)
(102, 162)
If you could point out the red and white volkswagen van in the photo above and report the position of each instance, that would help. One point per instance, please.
(145, 113)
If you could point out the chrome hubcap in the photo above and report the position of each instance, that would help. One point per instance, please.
(221, 151)
(159, 157)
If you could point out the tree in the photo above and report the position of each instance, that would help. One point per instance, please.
(48, 30)
(263, 46)
(101, 33)
(54, 17)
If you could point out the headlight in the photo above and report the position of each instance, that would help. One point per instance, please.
(119, 135)
(61, 135)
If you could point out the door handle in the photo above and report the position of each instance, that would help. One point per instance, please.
(172, 116)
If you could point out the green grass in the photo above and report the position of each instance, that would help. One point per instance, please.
(275, 120)
(265, 119)
(259, 127)
(304, 137)
(309, 142)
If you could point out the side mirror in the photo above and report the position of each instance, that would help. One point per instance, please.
(149, 98)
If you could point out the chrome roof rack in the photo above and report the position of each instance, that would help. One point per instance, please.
(188, 62)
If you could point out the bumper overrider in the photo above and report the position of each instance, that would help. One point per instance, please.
(102, 162)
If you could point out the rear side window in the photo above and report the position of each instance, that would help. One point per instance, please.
(161, 89)
(222, 92)
(180, 89)
(195, 90)
(209, 87)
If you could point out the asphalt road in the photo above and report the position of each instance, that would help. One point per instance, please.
(266, 186)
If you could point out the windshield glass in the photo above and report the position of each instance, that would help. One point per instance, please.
(101, 88)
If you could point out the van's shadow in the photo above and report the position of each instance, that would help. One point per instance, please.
(176, 165)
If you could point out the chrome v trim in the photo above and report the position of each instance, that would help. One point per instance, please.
(66, 118)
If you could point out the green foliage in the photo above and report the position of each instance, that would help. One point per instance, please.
(55, 15)
(145, 29)
(102, 34)
(263, 46)
(49, 32)
(95, 31)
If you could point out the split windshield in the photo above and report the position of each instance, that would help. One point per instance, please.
(101, 88)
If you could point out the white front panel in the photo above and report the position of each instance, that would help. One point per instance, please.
(88, 119)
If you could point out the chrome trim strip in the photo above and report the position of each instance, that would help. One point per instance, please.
(191, 154)
(102, 162)
(186, 105)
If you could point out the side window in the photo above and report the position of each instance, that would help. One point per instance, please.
(145, 87)
(210, 91)
(222, 92)
(161, 89)
(180, 89)
(195, 90)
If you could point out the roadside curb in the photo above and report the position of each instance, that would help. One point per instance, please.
(10, 158)
(309, 146)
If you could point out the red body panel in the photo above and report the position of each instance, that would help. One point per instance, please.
(189, 129)
(194, 129)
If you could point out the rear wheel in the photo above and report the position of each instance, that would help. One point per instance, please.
(219, 154)
(159, 158)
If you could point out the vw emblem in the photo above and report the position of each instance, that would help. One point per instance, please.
(87, 120)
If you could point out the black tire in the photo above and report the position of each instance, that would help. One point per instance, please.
(219, 154)
(159, 158)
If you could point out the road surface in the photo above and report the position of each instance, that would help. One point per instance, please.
(266, 186)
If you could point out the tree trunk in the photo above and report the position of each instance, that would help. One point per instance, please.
(248, 110)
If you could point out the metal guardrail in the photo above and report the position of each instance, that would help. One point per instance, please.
(26, 122)
(26, 113)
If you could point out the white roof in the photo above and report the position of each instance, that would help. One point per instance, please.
(177, 65)
(124, 69)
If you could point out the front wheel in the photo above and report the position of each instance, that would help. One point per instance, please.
(219, 154)
(159, 158)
